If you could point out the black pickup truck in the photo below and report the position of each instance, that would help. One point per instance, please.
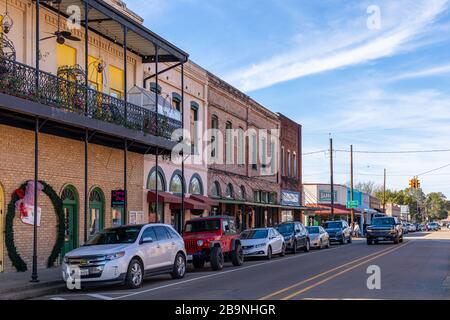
(384, 229)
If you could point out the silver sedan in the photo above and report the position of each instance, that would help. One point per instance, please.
(318, 237)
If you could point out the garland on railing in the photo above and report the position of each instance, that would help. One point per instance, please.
(14, 256)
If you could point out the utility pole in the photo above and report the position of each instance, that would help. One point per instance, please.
(351, 187)
(331, 179)
(384, 192)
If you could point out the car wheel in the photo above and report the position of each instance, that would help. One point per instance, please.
(269, 253)
(320, 245)
(328, 244)
(401, 239)
(350, 239)
(216, 258)
(369, 242)
(237, 256)
(135, 274)
(283, 250)
(307, 246)
(179, 267)
(198, 263)
(396, 240)
(342, 241)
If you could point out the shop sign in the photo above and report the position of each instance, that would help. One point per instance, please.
(118, 198)
(290, 198)
(325, 196)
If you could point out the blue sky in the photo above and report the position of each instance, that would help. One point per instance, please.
(319, 63)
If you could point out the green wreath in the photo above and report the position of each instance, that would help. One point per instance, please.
(15, 257)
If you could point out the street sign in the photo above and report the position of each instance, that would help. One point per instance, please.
(352, 204)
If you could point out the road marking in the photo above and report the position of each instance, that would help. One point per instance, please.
(57, 298)
(321, 274)
(99, 296)
(229, 271)
(342, 272)
(338, 299)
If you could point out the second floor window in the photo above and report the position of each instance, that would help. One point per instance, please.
(214, 127)
(254, 153)
(264, 152)
(95, 77)
(241, 147)
(194, 129)
(116, 82)
(294, 165)
(176, 101)
(228, 143)
(283, 163)
(289, 173)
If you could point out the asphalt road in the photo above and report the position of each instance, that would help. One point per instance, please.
(417, 269)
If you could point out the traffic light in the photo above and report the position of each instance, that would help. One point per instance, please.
(414, 183)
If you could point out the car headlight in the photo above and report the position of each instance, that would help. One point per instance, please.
(261, 245)
(115, 256)
(288, 238)
(200, 243)
(339, 233)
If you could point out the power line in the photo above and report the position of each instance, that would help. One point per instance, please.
(380, 152)
(433, 170)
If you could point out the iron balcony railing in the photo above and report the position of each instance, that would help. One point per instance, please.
(19, 80)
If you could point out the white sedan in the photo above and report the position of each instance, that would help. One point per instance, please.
(318, 237)
(262, 242)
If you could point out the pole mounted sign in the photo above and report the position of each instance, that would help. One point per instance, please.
(118, 198)
(352, 204)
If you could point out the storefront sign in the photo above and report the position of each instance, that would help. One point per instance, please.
(290, 198)
(325, 196)
(136, 217)
(118, 198)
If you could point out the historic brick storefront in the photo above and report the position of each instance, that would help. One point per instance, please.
(246, 185)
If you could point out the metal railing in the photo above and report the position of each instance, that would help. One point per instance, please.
(19, 80)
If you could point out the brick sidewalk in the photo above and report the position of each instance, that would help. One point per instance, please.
(17, 285)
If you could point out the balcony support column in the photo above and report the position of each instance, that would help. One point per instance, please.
(125, 71)
(125, 156)
(157, 133)
(34, 274)
(183, 191)
(86, 195)
(86, 56)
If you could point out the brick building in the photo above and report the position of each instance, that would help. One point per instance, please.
(73, 108)
(291, 169)
(244, 144)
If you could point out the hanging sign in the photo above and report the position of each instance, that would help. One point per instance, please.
(27, 215)
(118, 198)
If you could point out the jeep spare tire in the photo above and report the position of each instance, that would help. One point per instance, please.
(216, 258)
(237, 256)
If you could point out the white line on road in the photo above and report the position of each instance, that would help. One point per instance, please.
(226, 272)
(99, 296)
(57, 298)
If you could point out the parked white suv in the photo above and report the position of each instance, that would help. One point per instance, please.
(127, 255)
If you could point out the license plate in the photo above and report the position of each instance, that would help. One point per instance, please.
(84, 272)
(189, 257)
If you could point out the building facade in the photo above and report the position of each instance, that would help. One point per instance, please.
(169, 173)
(243, 167)
(66, 118)
(290, 172)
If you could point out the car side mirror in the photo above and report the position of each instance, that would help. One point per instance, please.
(147, 240)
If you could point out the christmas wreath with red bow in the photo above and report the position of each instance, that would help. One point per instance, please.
(17, 195)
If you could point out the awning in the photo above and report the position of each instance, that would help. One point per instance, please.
(163, 197)
(325, 209)
(207, 200)
(190, 204)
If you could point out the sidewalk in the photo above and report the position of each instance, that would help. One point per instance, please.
(17, 285)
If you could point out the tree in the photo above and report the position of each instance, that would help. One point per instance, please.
(366, 187)
(436, 206)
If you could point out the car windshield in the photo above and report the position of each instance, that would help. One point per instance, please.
(202, 225)
(285, 228)
(255, 234)
(383, 221)
(333, 225)
(313, 230)
(115, 236)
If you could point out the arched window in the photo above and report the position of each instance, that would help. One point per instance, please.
(229, 193)
(294, 165)
(176, 183)
(215, 190)
(214, 138)
(151, 181)
(241, 147)
(228, 143)
(176, 101)
(242, 193)
(196, 186)
(96, 211)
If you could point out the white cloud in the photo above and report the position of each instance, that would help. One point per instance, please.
(429, 72)
(402, 23)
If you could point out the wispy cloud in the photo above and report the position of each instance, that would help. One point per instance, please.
(429, 72)
(402, 23)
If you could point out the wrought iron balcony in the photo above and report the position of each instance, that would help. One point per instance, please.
(20, 80)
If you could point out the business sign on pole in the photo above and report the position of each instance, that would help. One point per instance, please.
(352, 204)
(118, 198)
(290, 198)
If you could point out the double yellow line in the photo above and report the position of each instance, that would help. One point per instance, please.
(359, 262)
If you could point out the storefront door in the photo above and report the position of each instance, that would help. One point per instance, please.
(2, 218)
(176, 220)
(69, 197)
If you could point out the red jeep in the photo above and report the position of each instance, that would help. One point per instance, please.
(214, 239)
